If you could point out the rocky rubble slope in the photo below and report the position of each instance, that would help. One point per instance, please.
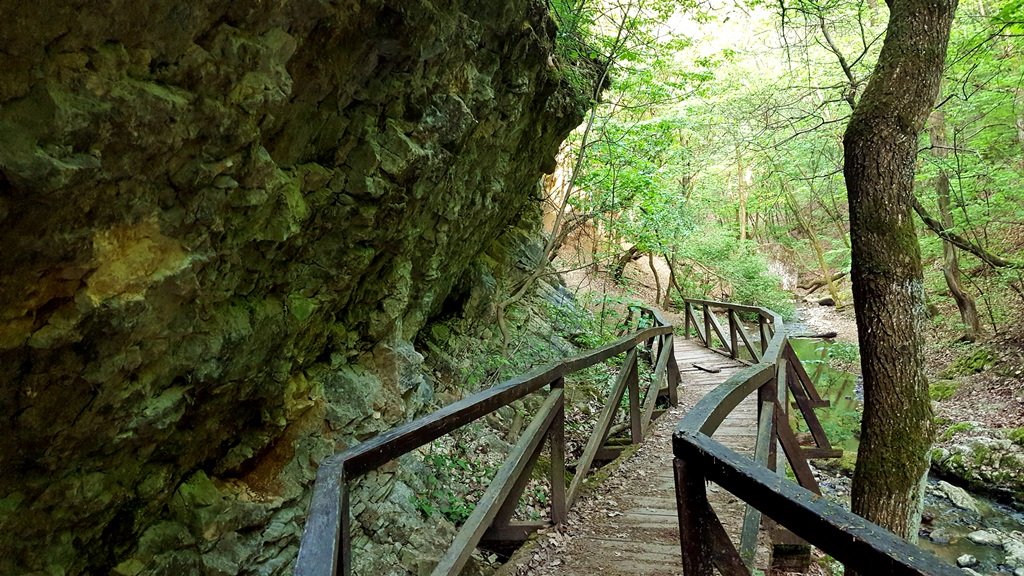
(222, 225)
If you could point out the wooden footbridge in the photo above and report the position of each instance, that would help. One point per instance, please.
(739, 391)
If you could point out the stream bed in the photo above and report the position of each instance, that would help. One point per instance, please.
(988, 539)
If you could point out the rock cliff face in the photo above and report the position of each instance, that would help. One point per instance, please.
(221, 224)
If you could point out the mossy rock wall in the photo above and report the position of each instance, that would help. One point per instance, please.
(222, 223)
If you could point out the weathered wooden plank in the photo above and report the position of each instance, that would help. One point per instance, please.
(857, 543)
(507, 509)
(762, 330)
(326, 547)
(717, 404)
(556, 443)
(723, 553)
(706, 315)
(651, 399)
(692, 503)
(751, 516)
(636, 427)
(806, 411)
(700, 332)
(601, 428)
(673, 370)
(794, 454)
(805, 378)
(733, 336)
(498, 490)
(730, 305)
(711, 319)
(513, 534)
(754, 352)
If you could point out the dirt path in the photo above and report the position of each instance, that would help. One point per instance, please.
(628, 525)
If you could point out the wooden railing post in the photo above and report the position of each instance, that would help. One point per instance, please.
(707, 326)
(636, 428)
(687, 312)
(762, 329)
(789, 552)
(328, 517)
(556, 439)
(733, 333)
(673, 371)
(692, 503)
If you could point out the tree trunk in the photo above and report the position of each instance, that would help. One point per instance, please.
(819, 252)
(657, 281)
(1019, 92)
(741, 190)
(670, 284)
(619, 268)
(950, 261)
(880, 149)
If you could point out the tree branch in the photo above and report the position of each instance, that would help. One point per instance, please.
(963, 243)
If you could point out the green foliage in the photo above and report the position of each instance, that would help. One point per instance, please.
(732, 270)
(691, 124)
(455, 482)
(1016, 436)
(593, 321)
(844, 352)
(609, 315)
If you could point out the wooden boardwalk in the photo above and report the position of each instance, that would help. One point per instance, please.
(629, 526)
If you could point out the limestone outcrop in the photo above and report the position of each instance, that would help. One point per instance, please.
(222, 224)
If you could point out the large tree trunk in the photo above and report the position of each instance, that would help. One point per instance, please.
(880, 152)
(950, 262)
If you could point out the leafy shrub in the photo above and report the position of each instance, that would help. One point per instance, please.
(845, 352)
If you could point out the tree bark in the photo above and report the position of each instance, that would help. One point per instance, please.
(880, 149)
(950, 262)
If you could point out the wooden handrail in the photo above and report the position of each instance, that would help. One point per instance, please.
(776, 370)
(325, 549)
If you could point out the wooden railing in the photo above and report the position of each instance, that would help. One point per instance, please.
(774, 373)
(326, 546)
